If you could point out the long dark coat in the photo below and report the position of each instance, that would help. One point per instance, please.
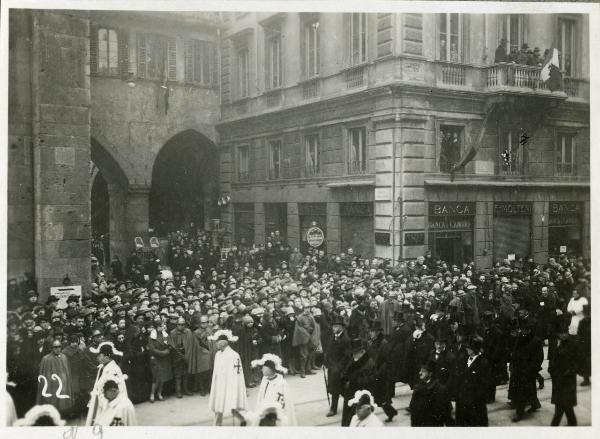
(160, 359)
(430, 405)
(584, 340)
(358, 375)
(400, 338)
(271, 338)
(564, 374)
(526, 360)
(471, 393)
(445, 364)
(416, 355)
(336, 358)
(379, 350)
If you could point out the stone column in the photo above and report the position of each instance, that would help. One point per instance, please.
(293, 224)
(120, 244)
(60, 95)
(137, 214)
(334, 231)
(259, 223)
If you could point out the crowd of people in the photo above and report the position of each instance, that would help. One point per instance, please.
(451, 332)
(524, 56)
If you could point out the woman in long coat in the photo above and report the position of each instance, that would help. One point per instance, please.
(271, 335)
(160, 359)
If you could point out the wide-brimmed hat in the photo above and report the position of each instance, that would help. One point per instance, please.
(272, 361)
(223, 334)
(106, 347)
(363, 397)
(36, 412)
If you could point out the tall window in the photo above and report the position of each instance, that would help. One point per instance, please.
(565, 154)
(450, 37)
(243, 79)
(243, 163)
(450, 146)
(152, 56)
(512, 28)
(108, 52)
(512, 152)
(273, 59)
(275, 159)
(357, 160)
(566, 45)
(312, 155)
(358, 38)
(199, 60)
(311, 48)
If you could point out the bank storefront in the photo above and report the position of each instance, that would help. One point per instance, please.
(450, 228)
(512, 229)
(565, 227)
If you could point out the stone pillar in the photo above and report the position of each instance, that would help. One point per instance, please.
(293, 223)
(120, 245)
(540, 231)
(138, 202)
(333, 229)
(259, 223)
(60, 96)
(384, 192)
(484, 230)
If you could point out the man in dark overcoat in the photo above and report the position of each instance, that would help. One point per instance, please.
(563, 371)
(336, 358)
(358, 374)
(430, 404)
(472, 384)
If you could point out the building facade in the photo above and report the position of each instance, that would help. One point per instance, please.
(394, 134)
(356, 122)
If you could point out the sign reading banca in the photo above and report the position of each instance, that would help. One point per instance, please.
(315, 237)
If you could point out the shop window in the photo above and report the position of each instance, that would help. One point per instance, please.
(450, 37)
(357, 148)
(565, 155)
(450, 146)
(243, 223)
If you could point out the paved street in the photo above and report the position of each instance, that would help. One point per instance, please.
(311, 406)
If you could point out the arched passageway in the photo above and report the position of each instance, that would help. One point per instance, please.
(184, 183)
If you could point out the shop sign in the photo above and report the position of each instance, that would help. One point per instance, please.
(512, 209)
(565, 207)
(564, 220)
(563, 249)
(315, 237)
(312, 209)
(382, 238)
(63, 294)
(356, 209)
(455, 209)
(451, 223)
(414, 238)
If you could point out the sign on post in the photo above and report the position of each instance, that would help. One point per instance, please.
(139, 242)
(563, 248)
(315, 237)
(63, 294)
(154, 242)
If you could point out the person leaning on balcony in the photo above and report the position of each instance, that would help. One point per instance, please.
(522, 56)
(533, 58)
(500, 55)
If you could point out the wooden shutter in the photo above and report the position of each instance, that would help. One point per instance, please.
(172, 58)
(123, 39)
(141, 58)
(189, 61)
(93, 49)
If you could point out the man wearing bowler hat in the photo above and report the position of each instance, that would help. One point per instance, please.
(358, 374)
(471, 390)
(336, 357)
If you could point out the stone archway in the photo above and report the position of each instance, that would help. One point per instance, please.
(185, 179)
(108, 192)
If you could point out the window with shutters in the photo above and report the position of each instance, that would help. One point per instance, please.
(199, 62)
(357, 150)
(513, 152)
(358, 38)
(242, 72)
(311, 48)
(450, 146)
(152, 56)
(243, 163)
(275, 159)
(450, 37)
(512, 29)
(273, 58)
(312, 155)
(567, 45)
(565, 154)
(108, 51)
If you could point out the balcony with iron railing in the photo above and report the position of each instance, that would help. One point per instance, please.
(357, 167)
(399, 70)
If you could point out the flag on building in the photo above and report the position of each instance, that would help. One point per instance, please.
(550, 73)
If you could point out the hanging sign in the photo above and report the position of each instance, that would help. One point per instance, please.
(315, 236)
